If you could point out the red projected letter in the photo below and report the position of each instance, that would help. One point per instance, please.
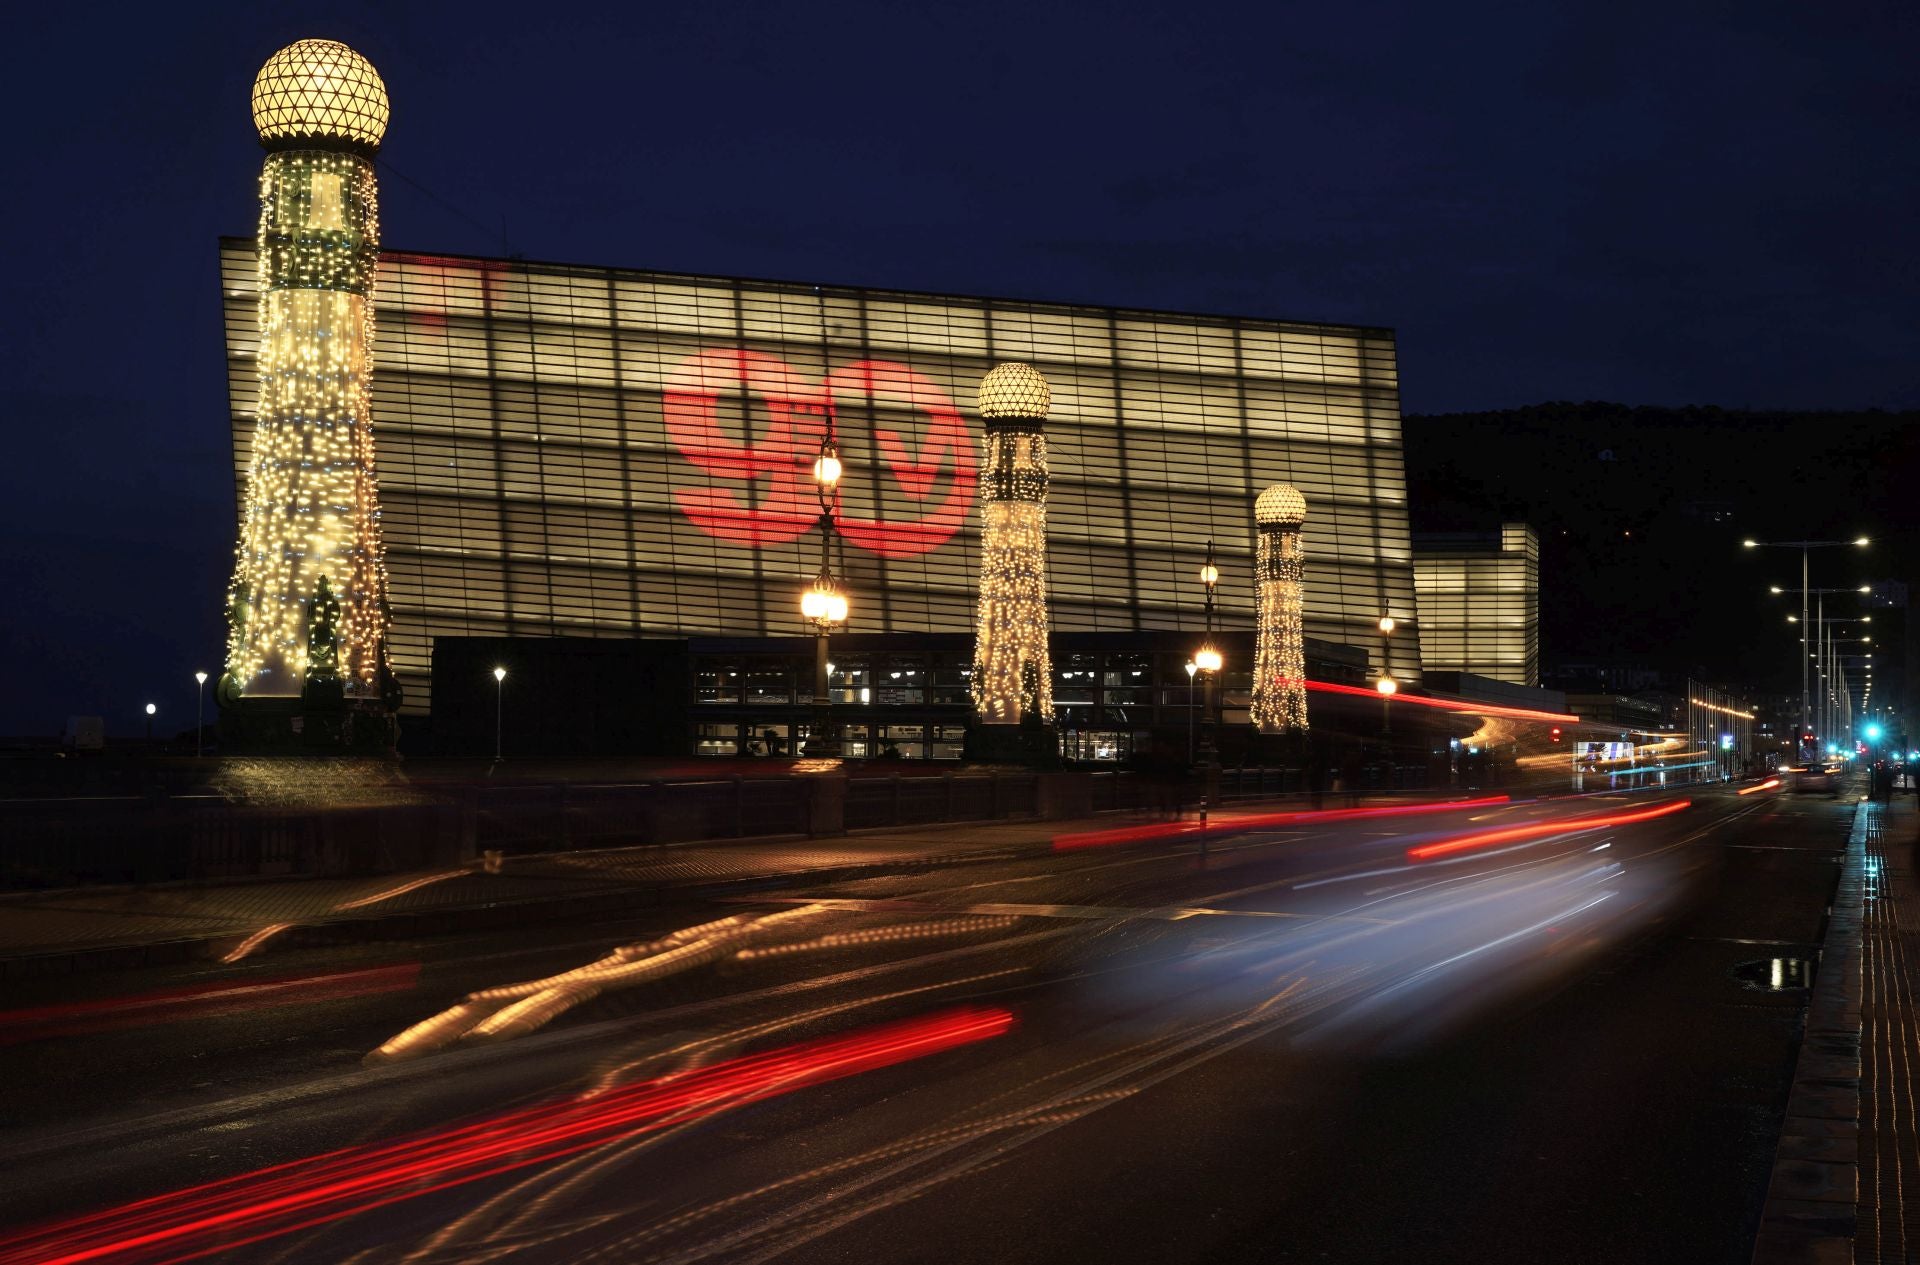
(916, 473)
(774, 500)
(691, 401)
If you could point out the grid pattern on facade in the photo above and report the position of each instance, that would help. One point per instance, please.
(585, 451)
(1479, 600)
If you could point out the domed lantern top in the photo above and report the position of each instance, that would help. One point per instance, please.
(1280, 506)
(320, 90)
(1013, 389)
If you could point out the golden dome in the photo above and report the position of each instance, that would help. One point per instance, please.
(1280, 504)
(1013, 389)
(320, 90)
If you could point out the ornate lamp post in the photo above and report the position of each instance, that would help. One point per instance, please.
(824, 604)
(199, 714)
(499, 708)
(1388, 687)
(1209, 661)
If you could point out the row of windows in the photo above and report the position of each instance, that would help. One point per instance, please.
(441, 290)
(517, 508)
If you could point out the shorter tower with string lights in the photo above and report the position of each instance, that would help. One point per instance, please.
(1012, 675)
(1279, 702)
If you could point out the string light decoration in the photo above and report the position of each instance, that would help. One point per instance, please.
(312, 515)
(1280, 656)
(1012, 675)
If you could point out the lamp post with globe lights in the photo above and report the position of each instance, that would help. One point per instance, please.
(824, 603)
(1805, 546)
(151, 709)
(499, 710)
(1209, 661)
(199, 713)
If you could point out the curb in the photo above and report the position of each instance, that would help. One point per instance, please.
(1809, 1216)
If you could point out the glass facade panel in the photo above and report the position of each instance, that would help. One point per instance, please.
(583, 451)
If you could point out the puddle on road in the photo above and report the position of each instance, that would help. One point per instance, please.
(1775, 975)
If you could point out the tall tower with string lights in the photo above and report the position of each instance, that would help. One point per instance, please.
(1279, 656)
(307, 607)
(1012, 674)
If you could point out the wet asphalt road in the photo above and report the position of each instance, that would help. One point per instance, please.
(1306, 1045)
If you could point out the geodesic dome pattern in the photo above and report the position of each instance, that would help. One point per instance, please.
(320, 90)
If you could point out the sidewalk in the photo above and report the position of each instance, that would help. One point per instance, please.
(1849, 1150)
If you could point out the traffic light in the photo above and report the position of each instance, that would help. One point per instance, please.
(1556, 733)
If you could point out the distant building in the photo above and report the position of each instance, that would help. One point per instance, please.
(1478, 595)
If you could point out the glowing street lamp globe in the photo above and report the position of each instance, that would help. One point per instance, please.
(1208, 659)
(1388, 685)
(827, 468)
(320, 90)
(823, 604)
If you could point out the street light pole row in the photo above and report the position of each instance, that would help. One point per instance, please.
(1805, 547)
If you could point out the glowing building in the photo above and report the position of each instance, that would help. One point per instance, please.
(1279, 699)
(307, 607)
(1479, 603)
(1012, 676)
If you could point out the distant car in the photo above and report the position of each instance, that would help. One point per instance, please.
(1818, 777)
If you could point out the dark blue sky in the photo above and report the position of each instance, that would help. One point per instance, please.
(1650, 203)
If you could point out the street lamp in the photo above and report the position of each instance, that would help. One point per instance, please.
(499, 708)
(1388, 687)
(199, 713)
(824, 603)
(151, 709)
(1804, 546)
(1208, 659)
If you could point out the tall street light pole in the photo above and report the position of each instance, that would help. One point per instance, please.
(199, 714)
(1209, 661)
(499, 709)
(1804, 546)
(151, 709)
(824, 604)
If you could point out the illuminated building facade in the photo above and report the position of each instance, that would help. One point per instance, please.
(1012, 677)
(573, 451)
(307, 607)
(1479, 603)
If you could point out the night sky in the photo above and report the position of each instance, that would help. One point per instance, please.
(1659, 204)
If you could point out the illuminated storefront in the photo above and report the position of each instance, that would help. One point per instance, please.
(570, 451)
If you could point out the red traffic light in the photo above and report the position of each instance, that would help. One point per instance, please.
(1556, 733)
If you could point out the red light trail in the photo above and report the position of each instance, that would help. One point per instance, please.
(1444, 704)
(270, 1202)
(201, 1001)
(1258, 821)
(1511, 834)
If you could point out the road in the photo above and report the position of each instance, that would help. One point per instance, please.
(1556, 1030)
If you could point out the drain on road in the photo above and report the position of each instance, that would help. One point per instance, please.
(1775, 975)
